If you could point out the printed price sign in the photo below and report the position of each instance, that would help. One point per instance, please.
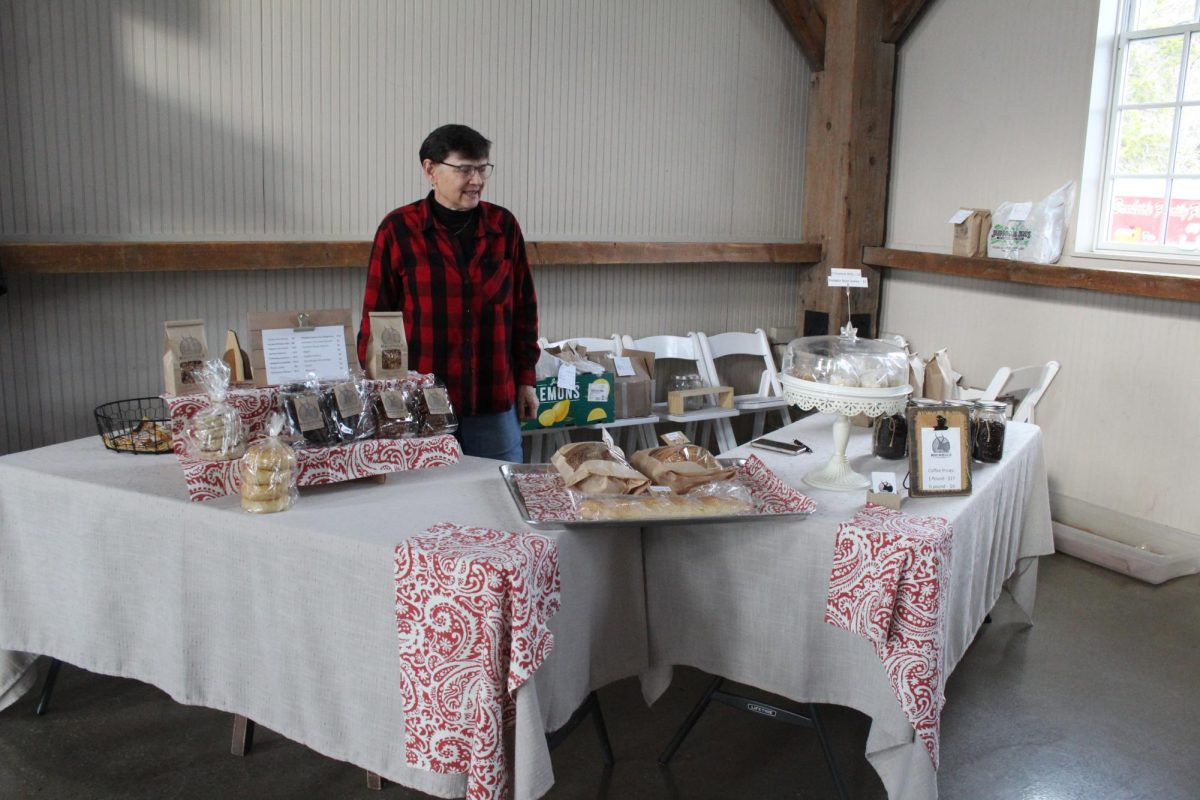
(939, 460)
(847, 277)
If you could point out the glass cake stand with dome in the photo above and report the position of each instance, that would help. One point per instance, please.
(845, 376)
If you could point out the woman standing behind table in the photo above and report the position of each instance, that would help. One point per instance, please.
(456, 267)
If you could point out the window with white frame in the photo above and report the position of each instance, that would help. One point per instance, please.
(1150, 193)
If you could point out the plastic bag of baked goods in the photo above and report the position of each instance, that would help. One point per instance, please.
(715, 499)
(307, 410)
(215, 433)
(396, 411)
(434, 409)
(682, 467)
(269, 472)
(350, 409)
(597, 468)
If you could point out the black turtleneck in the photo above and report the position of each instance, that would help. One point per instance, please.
(460, 224)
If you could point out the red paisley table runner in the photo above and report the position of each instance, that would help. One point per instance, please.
(316, 465)
(890, 576)
(472, 606)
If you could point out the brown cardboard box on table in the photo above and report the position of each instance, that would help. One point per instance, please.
(633, 393)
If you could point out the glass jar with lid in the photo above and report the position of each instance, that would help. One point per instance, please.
(890, 437)
(988, 423)
(690, 381)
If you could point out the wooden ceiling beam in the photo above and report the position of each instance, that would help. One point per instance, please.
(50, 258)
(901, 15)
(807, 26)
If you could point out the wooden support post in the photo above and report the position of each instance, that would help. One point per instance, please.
(847, 148)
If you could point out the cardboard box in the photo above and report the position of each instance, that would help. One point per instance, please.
(591, 400)
(633, 394)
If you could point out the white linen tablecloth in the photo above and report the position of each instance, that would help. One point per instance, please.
(746, 601)
(287, 618)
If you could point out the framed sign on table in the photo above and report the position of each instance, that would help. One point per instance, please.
(939, 450)
(286, 345)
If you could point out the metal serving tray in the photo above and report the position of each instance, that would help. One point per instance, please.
(512, 473)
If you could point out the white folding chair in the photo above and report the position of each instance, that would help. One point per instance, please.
(1027, 385)
(769, 396)
(993, 389)
(706, 420)
(609, 345)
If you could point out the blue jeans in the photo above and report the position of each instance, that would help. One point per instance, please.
(495, 436)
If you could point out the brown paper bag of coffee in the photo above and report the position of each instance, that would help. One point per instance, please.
(939, 377)
(971, 233)
(387, 348)
(237, 360)
(185, 349)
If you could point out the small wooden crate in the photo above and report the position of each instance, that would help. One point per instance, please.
(675, 399)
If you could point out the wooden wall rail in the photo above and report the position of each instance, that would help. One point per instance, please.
(58, 258)
(1110, 281)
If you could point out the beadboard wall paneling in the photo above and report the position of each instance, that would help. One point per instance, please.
(72, 342)
(1120, 418)
(679, 120)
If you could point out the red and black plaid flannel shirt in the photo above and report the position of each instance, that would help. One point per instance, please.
(476, 330)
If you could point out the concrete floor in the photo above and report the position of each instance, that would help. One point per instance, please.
(1100, 699)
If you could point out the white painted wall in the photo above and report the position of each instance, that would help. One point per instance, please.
(674, 120)
(992, 105)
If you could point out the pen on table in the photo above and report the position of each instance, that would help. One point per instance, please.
(799, 443)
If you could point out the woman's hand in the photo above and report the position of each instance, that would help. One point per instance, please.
(527, 403)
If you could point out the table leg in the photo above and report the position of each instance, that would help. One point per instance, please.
(590, 706)
(243, 735)
(48, 687)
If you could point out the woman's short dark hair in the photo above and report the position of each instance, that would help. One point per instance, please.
(467, 142)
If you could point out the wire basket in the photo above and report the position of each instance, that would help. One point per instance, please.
(141, 426)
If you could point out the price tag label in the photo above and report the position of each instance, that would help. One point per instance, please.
(566, 377)
(847, 277)
(1020, 212)
(624, 366)
(598, 392)
(674, 437)
(960, 216)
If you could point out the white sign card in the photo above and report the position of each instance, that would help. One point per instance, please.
(960, 216)
(624, 366)
(885, 483)
(566, 377)
(941, 459)
(847, 277)
(290, 354)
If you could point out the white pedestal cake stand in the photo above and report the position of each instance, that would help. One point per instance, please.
(844, 402)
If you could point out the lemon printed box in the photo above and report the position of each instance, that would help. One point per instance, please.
(589, 402)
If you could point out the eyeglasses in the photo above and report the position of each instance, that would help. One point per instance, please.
(466, 170)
